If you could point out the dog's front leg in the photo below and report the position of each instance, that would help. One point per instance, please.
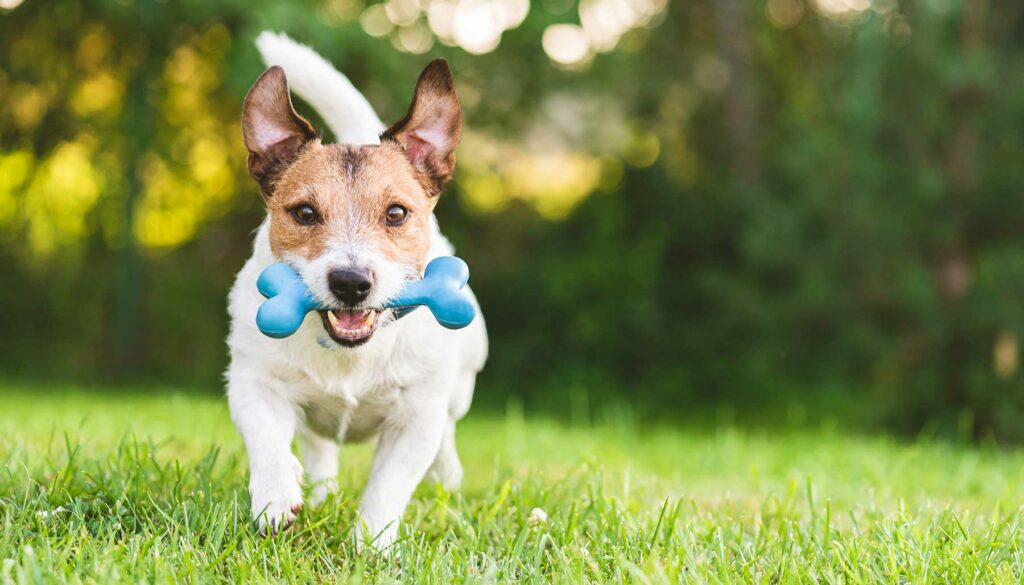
(267, 424)
(405, 451)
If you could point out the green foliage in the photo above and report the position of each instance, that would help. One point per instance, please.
(150, 486)
(729, 208)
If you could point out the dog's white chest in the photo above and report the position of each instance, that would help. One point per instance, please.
(350, 416)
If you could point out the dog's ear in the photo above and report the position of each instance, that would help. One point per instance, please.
(431, 130)
(273, 132)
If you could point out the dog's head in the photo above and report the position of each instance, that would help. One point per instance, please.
(353, 220)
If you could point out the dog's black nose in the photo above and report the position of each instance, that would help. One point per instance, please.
(350, 286)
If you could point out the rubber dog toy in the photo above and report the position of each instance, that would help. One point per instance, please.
(440, 289)
(288, 301)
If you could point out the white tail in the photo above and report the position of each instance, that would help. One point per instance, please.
(312, 78)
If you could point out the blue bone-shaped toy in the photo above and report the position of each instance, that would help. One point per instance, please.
(441, 290)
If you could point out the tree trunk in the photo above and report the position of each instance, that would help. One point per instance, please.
(955, 267)
(741, 122)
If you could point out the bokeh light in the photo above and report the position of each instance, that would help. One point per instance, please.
(785, 14)
(475, 26)
(842, 9)
(566, 44)
(606, 21)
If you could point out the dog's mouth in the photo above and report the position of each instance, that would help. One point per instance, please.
(350, 327)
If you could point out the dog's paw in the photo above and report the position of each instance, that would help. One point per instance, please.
(376, 535)
(449, 477)
(446, 471)
(277, 517)
(276, 499)
(320, 490)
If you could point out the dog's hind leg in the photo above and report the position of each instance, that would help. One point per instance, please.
(320, 459)
(447, 469)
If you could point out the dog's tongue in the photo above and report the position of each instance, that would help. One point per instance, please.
(352, 319)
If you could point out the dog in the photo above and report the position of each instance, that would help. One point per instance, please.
(355, 220)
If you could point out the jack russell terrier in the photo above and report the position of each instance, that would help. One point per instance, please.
(355, 220)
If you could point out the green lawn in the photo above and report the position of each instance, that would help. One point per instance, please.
(152, 487)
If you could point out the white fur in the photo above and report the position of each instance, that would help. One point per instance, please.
(408, 385)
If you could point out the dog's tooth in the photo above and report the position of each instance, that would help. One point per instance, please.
(364, 328)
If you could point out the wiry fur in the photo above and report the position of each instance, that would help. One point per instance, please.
(409, 384)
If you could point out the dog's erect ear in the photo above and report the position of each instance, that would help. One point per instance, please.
(431, 130)
(273, 132)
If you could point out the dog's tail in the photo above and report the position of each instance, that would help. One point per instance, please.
(312, 78)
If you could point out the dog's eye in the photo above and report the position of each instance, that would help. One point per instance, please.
(396, 215)
(305, 214)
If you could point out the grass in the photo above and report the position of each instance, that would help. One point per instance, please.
(151, 487)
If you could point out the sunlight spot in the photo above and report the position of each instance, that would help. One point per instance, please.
(484, 192)
(216, 40)
(14, 171)
(566, 44)
(210, 165)
(375, 22)
(341, 11)
(10, 4)
(606, 21)
(440, 15)
(161, 220)
(842, 9)
(178, 198)
(475, 26)
(785, 14)
(402, 12)
(415, 39)
(97, 93)
(28, 103)
(93, 50)
(194, 179)
(601, 23)
(553, 181)
(642, 149)
(65, 187)
(182, 65)
(512, 13)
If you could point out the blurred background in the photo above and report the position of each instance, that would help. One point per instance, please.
(775, 211)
